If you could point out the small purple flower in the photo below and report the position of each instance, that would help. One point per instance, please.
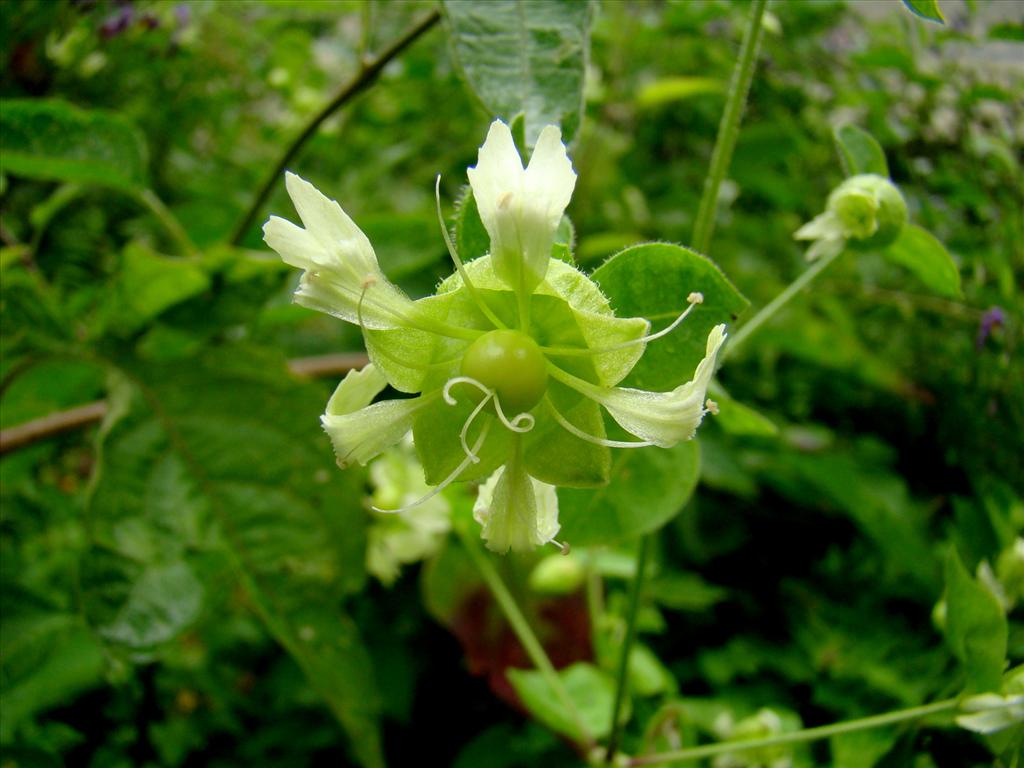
(117, 22)
(993, 317)
(182, 13)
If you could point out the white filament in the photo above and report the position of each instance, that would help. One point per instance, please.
(477, 299)
(573, 429)
(694, 299)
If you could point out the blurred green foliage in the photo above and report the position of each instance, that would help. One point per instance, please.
(183, 584)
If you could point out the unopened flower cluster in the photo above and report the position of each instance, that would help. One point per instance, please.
(507, 368)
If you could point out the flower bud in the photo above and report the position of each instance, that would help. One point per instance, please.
(870, 210)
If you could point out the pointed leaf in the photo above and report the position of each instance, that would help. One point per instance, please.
(523, 57)
(859, 152)
(976, 627)
(648, 487)
(49, 139)
(921, 252)
(653, 281)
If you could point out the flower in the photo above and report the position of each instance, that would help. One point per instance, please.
(396, 540)
(511, 361)
(520, 209)
(866, 211)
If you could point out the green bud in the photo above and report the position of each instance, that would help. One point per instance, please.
(870, 210)
(557, 575)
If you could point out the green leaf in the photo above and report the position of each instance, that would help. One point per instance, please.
(150, 283)
(976, 627)
(139, 606)
(648, 487)
(590, 689)
(47, 658)
(652, 281)
(49, 139)
(738, 419)
(672, 89)
(523, 57)
(921, 252)
(859, 152)
(685, 591)
(926, 9)
(471, 239)
(862, 749)
(229, 448)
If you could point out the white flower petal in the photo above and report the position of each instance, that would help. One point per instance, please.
(550, 179)
(516, 511)
(360, 431)
(330, 225)
(356, 390)
(498, 171)
(665, 418)
(341, 267)
(823, 225)
(989, 712)
(295, 245)
(521, 208)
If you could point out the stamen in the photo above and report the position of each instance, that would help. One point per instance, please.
(444, 483)
(568, 426)
(712, 407)
(477, 298)
(564, 547)
(693, 299)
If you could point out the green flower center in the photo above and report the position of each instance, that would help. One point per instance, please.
(510, 363)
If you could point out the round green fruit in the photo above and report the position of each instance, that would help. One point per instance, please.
(510, 363)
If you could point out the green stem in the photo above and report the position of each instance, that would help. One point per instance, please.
(148, 198)
(627, 646)
(808, 734)
(363, 79)
(729, 127)
(523, 631)
(767, 312)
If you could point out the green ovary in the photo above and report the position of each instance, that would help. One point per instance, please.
(510, 363)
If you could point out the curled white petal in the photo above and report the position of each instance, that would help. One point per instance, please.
(360, 431)
(661, 418)
(338, 260)
(666, 418)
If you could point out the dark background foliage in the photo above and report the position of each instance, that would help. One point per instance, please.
(183, 584)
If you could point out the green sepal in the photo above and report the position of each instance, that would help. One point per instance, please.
(557, 457)
(408, 356)
(436, 436)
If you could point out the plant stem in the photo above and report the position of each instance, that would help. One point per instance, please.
(367, 74)
(59, 422)
(729, 127)
(808, 734)
(627, 646)
(148, 198)
(766, 313)
(523, 631)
